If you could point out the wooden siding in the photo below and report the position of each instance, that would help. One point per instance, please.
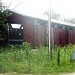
(37, 34)
(34, 34)
(73, 36)
(56, 36)
(64, 37)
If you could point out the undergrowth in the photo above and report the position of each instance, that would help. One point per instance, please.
(23, 59)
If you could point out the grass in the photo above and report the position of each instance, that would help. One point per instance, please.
(25, 60)
(33, 74)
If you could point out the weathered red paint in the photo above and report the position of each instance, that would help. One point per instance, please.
(64, 37)
(57, 36)
(37, 34)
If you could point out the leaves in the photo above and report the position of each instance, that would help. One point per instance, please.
(15, 59)
(3, 27)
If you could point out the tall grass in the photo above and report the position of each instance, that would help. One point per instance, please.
(26, 60)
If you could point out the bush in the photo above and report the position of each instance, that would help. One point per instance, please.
(27, 60)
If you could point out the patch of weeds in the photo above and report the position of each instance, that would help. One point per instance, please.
(26, 60)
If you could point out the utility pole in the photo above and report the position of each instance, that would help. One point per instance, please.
(0, 1)
(49, 25)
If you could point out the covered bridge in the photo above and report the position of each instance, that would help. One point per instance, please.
(35, 31)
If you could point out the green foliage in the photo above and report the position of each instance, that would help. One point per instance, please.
(26, 60)
(3, 18)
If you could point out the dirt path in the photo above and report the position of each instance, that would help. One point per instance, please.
(70, 74)
(14, 73)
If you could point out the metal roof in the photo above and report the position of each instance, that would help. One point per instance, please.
(62, 22)
(52, 20)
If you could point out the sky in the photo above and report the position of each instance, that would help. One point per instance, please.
(64, 7)
(36, 8)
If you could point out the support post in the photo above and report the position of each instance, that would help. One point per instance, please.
(49, 25)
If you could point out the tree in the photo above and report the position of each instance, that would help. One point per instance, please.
(3, 26)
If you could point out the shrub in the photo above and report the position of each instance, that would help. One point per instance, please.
(27, 60)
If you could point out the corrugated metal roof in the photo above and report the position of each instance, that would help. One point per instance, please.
(52, 20)
(62, 22)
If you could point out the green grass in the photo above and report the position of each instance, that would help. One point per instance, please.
(33, 74)
(25, 60)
